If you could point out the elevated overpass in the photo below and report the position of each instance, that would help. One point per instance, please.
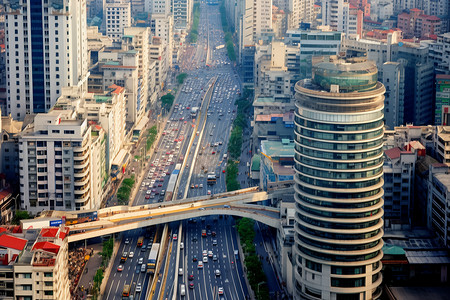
(122, 218)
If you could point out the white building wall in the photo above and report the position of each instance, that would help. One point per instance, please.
(118, 17)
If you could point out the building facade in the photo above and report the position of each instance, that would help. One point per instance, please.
(118, 17)
(47, 51)
(339, 166)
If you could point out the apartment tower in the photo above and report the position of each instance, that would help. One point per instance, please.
(338, 181)
(46, 45)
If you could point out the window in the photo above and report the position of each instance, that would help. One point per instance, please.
(69, 132)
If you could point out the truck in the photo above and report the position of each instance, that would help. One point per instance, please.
(220, 47)
(194, 111)
(211, 179)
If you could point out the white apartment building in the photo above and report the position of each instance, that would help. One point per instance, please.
(137, 38)
(439, 52)
(341, 16)
(381, 9)
(121, 68)
(182, 13)
(162, 27)
(394, 82)
(156, 54)
(106, 110)
(47, 50)
(38, 266)
(262, 17)
(398, 172)
(117, 17)
(55, 163)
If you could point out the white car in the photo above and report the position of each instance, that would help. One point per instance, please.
(131, 255)
(220, 290)
(138, 287)
(141, 260)
(205, 259)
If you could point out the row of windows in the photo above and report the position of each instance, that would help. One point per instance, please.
(338, 146)
(338, 236)
(337, 127)
(340, 185)
(338, 165)
(336, 225)
(337, 194)
(339, 136)
(338, 247)
(338, 204)
(337, 156)
(338, 175)
(329, 214)
(337, 258)
(328, 117)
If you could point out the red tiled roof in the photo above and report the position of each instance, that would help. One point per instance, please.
(46, 246)
(393, 153)
(117, 89)
(9, 241)
(5, 193)
(3, 229)
(64, 233)
(49, 232)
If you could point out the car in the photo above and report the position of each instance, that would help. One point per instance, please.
(160, 185)
(191, 285)
(120, 268)
(194, 258)
(205, 253)
(196, 186)
(209, 192)
(214, 242)
(175, 236)
(141, 260)
(147, 196)
(217, 272)
(200, 265)
(149, 192)
(191, 277)
(131, 255)
(149, 245)
(201, 208)
(127, 241)
(143, 268)
(220, 290)
(201, 185)
(144, 248)
(210, 253)
(205, 259)
(192, 186)
(138, 269)
(213, 233)
(214, 152)
(214, 257)
(180, 271)
(138, 287)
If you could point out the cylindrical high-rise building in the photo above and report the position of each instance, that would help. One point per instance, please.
(338, 181)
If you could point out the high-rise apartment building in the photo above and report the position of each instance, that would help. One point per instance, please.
(394, 82)
(182, 13)
(117, 18)
(46, 42)
(442, 100)
(342, 16)
(55, 164)
(339, 180)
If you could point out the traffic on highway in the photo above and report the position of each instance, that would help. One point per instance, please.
(189, 160)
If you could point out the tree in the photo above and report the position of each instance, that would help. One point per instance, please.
(20, 215)
(167, 100)
(181, 77)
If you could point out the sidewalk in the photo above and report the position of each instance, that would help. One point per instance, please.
(87, 276)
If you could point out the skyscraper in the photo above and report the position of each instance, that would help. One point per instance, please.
(339, 180)
(46, 43)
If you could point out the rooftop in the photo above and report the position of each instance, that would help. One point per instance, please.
(9, 241)
(284, 148)
(256, 163)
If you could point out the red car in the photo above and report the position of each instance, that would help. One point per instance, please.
(147, 196)
(214, 152)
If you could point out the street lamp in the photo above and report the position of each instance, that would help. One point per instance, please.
(262, 282)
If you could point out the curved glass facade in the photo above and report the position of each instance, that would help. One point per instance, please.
(339, 166)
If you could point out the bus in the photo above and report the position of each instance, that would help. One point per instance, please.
(81, 217)
(172, 182)
(140, 241)
(126, 291)
(211, 179)
(151, 264)
(119, 164)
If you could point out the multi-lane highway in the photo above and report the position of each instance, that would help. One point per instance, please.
(198, 141)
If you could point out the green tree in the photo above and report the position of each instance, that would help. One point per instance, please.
(181, 77)
(20, 215)
(167, 100)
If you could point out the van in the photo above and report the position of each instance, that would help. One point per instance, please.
(225, 156)
(143, 268)
(181, 245)
(182, 290)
